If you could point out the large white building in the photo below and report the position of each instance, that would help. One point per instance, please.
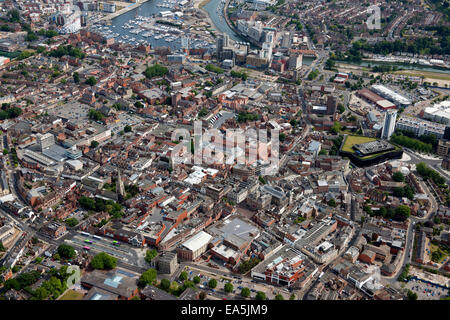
(194, 247)
(420, 126)
(440, 112)
(391, 95)
(389, 124)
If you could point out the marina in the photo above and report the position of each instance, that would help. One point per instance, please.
(152, 23)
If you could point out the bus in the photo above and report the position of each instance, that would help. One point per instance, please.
(86, 248)
(85, 233)
(88, 241)
(97, 237)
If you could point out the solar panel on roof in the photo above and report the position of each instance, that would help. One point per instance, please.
(96, 296)
(125, 273)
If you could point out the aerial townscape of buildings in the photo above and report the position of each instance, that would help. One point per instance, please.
(224, 150)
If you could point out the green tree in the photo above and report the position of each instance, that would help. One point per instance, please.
(292, 297)
(245, 292)
(76, 77)
(260, 295)
(103, 261)
(138, 104)
(197, 279)
(247, 265)
(31, 36)
(212, 283)
(66, 251)
(72, 222)
(127, 128)
(165, 284)
(41, 293)
(24, 55)
(148, 277)
(332, 202)
(94, 144)
(228, 287)
(412, 295)
(330, 64)
(203, 112)
(202, 295)
(95, 115)
(2, 248)
(183, 276)
(155, 70)
(279, 297)
(150, 255)
(398, 176)
(336, 128)
(91, 81)
(188, 284)
(402, 213)
(368, 210)
(13, 15)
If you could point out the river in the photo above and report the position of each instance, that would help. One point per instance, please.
(214, 9)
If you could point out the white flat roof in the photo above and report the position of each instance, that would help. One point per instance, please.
(196, 242)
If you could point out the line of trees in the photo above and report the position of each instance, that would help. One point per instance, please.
(99, 205)
(411, 143)
(425, 138)
(68, 50)
(236, 74)
(246, 116)
(401, 213)
(426, 173)
(423, 45)
(406, 191)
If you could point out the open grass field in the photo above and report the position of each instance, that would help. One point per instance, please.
(350, 141)
(441, 253)
(72, 295)
(426, 74)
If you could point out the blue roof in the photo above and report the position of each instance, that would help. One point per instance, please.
(314, 145)
(113, 282)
